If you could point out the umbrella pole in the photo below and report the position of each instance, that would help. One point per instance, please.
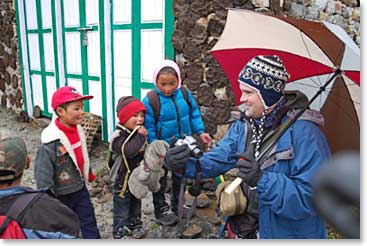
(238, 180)
(299, 113)
(322, 88)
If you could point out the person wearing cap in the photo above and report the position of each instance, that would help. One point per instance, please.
(176, 119)
(47, 218)
(62, 161)
(278, 186)
(127, 145)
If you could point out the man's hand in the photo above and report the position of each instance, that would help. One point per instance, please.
(249, 169)
(177, 156)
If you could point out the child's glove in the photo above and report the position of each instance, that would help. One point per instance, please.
(177, 156)
(249, 169)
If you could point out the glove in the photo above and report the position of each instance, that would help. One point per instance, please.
(249, 169)
(177, 156)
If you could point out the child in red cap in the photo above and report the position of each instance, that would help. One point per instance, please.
(127, 145)
(62, 162)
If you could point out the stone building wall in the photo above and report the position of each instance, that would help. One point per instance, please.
(10, 78)
(198, 26)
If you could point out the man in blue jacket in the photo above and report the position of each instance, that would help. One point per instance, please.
(280, 182)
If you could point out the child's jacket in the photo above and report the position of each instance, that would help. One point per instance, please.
(133, 152)
(175, 117)
(56, 167)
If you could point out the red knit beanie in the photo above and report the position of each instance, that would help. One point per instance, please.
(127, 107)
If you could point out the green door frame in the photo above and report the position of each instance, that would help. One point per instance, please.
(42, 72)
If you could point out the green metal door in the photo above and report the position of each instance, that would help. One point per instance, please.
(84, 60)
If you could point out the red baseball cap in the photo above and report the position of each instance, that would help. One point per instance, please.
(67, 94)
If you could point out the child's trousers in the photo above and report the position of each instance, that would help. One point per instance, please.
(126, 213)
(81, 204)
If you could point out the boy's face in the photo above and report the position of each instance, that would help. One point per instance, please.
(167, 83)
(135, 120)
(72, 115)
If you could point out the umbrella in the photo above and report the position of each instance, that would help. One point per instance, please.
(322, 60)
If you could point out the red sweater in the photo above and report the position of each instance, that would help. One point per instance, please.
(74, 139)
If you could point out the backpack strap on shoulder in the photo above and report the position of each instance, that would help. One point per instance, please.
(184, 93)
(20, 207)
(155, 104)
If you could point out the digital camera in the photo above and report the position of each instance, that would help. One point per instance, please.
(191, 142)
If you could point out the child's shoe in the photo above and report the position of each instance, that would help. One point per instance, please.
(138, 233)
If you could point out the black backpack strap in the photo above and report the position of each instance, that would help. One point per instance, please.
(20, 207)
(184, 93)
(155, 104)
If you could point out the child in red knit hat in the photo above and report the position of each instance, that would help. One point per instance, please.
(62, 162)
(127, 145)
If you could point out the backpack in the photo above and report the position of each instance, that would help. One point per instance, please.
(156, 104)
(10, 227)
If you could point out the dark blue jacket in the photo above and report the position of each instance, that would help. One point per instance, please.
(48, 218)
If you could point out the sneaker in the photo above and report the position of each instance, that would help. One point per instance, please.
(138, 233)
(167, 219)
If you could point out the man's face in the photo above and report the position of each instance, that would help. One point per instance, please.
(252, 101)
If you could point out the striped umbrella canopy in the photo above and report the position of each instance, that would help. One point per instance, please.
(312, 53)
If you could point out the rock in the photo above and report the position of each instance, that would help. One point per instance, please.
(105, 198)
(37, 112)
(215, 25)
(193, 231)
(203, 201)
(23, 117)
(42, 122)
(178, 39)
(351, 3)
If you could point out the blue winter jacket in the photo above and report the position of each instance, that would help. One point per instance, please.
(284, 190)
(175, 117)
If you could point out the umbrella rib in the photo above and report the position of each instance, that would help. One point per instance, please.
(306, 84)
(309, 55)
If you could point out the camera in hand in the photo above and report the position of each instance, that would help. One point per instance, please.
(191, 142)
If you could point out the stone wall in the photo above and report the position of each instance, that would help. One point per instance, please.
(198, 26)
(10, 79)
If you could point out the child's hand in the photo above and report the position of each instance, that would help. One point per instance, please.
(206, 139)
(142, 130)
(92, 176)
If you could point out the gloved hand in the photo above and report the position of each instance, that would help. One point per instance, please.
(249, 169)
(177, 156)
